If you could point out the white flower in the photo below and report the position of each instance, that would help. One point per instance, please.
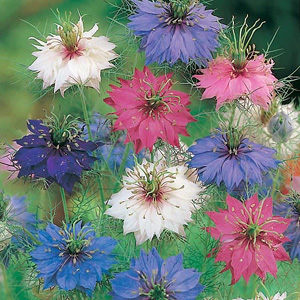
(72, 57)
(154, 198)
(261, 296)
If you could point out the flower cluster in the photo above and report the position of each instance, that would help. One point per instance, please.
(158, 180)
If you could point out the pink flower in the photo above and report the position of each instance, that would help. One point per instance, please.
(251, 238)
(6, 163)
(228, 81)
(149, 109)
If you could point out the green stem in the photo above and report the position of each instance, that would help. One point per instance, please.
(36, 241)
(124, 160)
(87, 121)
(230, 293)
(5, 282)
(65, 206)
(152, 156)
(232, 115)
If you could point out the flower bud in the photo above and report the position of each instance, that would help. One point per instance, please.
(280, 127)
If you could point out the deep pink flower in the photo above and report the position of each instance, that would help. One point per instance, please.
(228, 81)
(149, 109)
(251, 238)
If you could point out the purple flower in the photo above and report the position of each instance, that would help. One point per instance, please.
(231, 159)
(54, 151)
(73, 257)
(291, 209)
(150, 277)
(173, 30)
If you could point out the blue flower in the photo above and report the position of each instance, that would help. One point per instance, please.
(14, 210)
(175, 30)
(150, 277)
(73, 257)
(14, 214)
(112, 148)
(231, 159)
(54, 151)
(291, 209)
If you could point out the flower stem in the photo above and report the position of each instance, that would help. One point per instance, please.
(124, 160)
(36, 241)
(87, 122)
(65, 206)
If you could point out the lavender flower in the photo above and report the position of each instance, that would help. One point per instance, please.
(175, 30)
(231, 159)
(291, 209)
(54, 151)
(151, 277)
(73, 257)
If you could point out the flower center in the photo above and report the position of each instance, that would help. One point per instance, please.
(179, 9)
(150, 184)
(233, 139)
(178, 12)
(74, 246)
(70, 35)
(62, 132)
(253, 231)
(158, 292)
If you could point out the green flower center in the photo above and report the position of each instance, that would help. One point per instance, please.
(179, 9)
(157, 292)
(69, 33)
(253, 230)
(75, 246)
(233, 141)
(63, 131)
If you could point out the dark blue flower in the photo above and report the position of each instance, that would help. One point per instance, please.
(73, 257)
(290, 208)
(112, 148)
(231, 159)
(175, 30)
(150, 277)
(54, 151)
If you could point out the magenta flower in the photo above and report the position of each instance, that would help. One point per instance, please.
(250, 237)
(149, 109)
(228, 81)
